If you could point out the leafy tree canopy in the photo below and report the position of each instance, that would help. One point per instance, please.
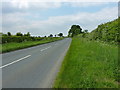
(28, 34)
(9, 34)
(75, 30)
(51, 35)
(60, 34)
(19, 34)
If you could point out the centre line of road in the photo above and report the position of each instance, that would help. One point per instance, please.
(15, 61)
(45, 48)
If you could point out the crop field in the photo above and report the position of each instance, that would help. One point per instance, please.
(89, 64)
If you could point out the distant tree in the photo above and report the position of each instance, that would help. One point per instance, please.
(45, 36)
(9, 34)
(55, 35)
(51, 35)
(60, 34)
(28, 34)
(19, 34)
(75, 30)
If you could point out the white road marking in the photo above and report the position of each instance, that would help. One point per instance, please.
(45, 48)
(49, 47)
(15, 61)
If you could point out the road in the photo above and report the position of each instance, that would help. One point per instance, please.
(34, 67)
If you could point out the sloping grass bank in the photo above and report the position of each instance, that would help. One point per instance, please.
(15, 46)
(89, 64)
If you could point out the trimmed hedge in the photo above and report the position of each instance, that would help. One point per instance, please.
(18, 39)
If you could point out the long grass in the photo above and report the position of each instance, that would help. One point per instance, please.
(89, 64)
(15, 46)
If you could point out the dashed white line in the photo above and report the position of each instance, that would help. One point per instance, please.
(20, 59)
(49, 47)
(15, 61)
(45, 48)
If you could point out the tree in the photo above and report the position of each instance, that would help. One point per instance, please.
(75, 30)
(60, 34)
(51, 35)
(9, 34)
(19, 34)
(28, 34)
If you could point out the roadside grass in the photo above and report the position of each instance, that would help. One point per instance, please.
(89, 64)
(15, 46)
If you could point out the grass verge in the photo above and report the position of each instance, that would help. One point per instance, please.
(89, 64)
(15, 46)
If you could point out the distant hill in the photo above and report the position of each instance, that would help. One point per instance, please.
(106, 32)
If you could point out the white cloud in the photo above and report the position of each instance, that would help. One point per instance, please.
(65, 0)
(87, 4)
(20, 3)
(55, 3)
(56, 24)
(34, 4)
(44, 5)
(15, 6)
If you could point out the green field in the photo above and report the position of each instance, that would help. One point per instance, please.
(89, 64)
(15, 46)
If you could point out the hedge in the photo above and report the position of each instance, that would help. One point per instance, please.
(18, 39)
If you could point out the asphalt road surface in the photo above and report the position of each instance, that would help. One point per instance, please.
(34, 67)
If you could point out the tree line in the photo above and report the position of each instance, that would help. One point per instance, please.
(19, 37)
(28, 34)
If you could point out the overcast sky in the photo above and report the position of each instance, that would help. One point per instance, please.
(44, 18)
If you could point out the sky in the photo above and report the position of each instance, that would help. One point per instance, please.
(45, 18)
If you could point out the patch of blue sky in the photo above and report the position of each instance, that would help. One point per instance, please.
(67, 9)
